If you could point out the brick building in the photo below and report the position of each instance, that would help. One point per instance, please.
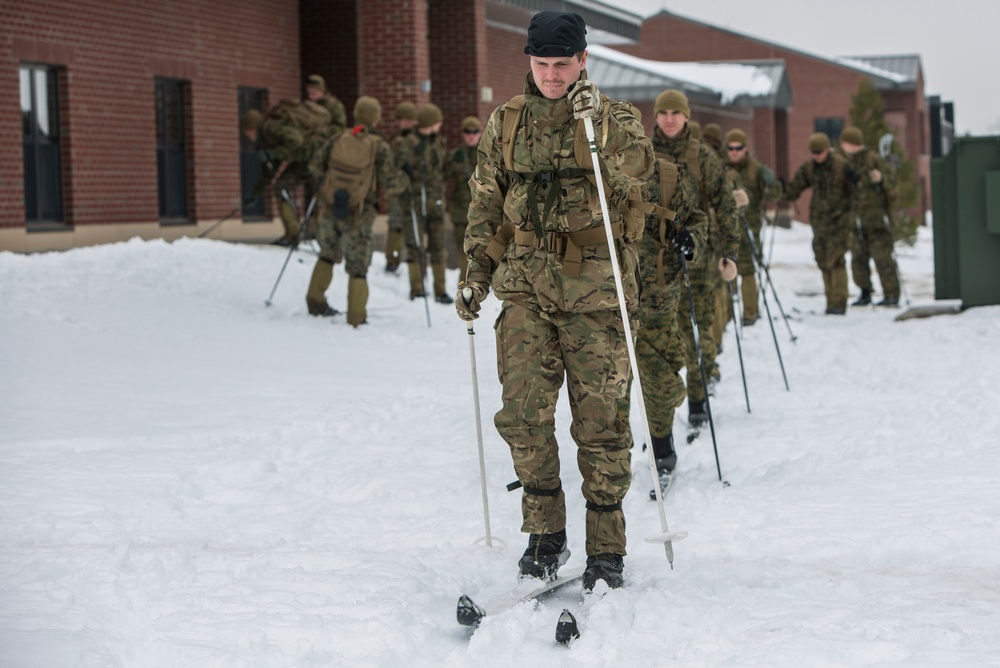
(128, 114)
(129, 111)
(821, 87)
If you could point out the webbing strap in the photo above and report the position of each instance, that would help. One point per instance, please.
(570, 243)
(535, 491)
(610, 508)
(553, 242)
(668, 185)
(552, 179)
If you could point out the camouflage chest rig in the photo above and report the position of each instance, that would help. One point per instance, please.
(630, 213)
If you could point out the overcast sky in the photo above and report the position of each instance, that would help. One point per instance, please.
(955, 40)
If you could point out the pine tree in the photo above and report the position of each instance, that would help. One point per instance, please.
(868, 114)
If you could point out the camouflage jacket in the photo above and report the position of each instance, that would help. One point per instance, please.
(872, 200)
(832, 183)
(338, 116)
(532, 271)
(759, 183)
(422, 157)
(659, 262)
(458, 168)
(715, 188)
(395, 143)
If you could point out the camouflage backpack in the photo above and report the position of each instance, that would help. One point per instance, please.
(308, 116)
(293, 129)
(350, 172)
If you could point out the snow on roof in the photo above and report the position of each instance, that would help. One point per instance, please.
(871, 69)
(729, 80)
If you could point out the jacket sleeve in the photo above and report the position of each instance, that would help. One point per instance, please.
(489, 188)
(800, 181)
(720, 195)
(390, 179)
(627, 156)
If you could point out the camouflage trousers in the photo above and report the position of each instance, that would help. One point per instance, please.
(747, 272)
(830, 244)
(660, 352)
(874, 242)
(348, 240)
(535, 352)
(705, 279)
(399, 217)
(431, 227)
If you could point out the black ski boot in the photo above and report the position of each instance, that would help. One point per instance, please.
(607, 567)
(444, 299)
(889, 302)
(697, 413)
(665, 458)
(865, 299)
(664, 454)
(545, 554)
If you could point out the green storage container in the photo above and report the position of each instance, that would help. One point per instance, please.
(966, 206)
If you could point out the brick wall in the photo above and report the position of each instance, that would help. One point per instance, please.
(393, 53)
(458, 53)
(110, 53)
(820, 88)
(508, 65)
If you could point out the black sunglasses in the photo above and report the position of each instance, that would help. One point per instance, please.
(738, 147)
(471, 131)
(817, 152)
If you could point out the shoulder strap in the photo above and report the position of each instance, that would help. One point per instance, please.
(511, 120)
(664, 214)
(691, 159)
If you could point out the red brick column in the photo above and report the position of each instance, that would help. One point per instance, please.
(393, 53)
(458, 61)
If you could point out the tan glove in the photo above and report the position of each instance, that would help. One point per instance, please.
(741, 197)
(875, 176)
(585, 99)
(727, 267)
(468, 307)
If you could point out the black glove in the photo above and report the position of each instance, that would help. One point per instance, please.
(408, 169)
(684, 243)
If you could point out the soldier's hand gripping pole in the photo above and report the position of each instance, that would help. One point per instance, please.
(736, 332)
(701, 364)
(760, 266)
(291, 249)
(467, 295)
(665, 536)
(420, 258)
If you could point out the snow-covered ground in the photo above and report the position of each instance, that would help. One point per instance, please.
(188, 478)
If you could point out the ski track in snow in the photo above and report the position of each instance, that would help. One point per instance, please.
(188, 478)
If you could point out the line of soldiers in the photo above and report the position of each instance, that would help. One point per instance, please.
(411, 171)
(536, 238)
(683, 210)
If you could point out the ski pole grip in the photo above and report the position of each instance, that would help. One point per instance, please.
(466, 294)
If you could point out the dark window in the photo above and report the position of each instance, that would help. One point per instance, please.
(250, 98)
(42, 164)
(171, 148)
(831, 126)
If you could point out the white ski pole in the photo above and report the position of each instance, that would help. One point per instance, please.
(467, 295)
(665, 536)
